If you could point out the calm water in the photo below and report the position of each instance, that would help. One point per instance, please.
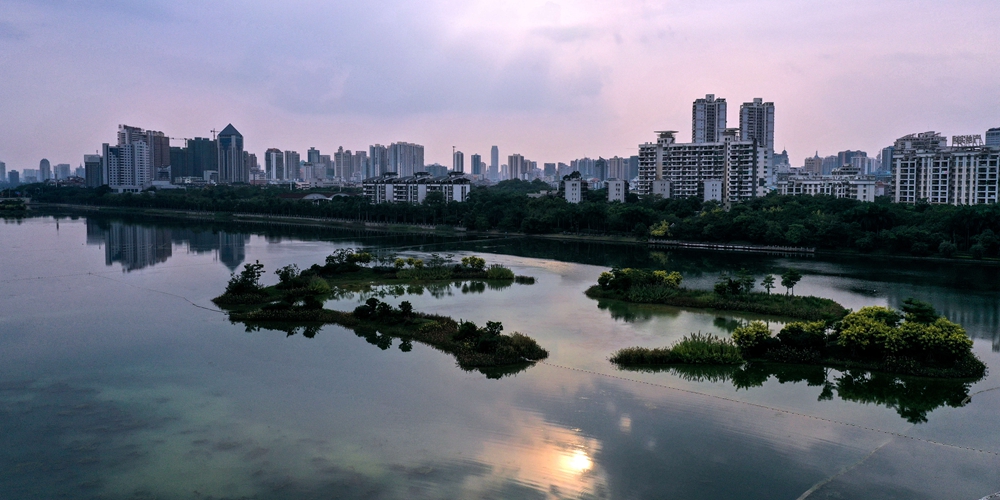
(119, 380)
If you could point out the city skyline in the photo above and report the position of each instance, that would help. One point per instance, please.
(585, 85)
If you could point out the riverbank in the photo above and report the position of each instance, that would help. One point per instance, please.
(449, 230)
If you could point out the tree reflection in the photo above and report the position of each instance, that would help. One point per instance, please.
(913, 398)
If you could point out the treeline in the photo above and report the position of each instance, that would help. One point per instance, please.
(813, 221)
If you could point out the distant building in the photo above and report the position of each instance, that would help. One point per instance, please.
(476, 164)
(925, 168)
(617, 189)
(274, 164)
(757, 122)
(436, 170)
(232, 168)
(3, 172)
(458, 162)
(343, 163)
(739, 166)
(390, 188)
(618, 168)
(857, 187)
(293, 169)
(573, 188)
(660, 188)
(44, 170)
(378, 158)
(993, 137)
(517, 166)
(92, 171)
(132, 164)
(312, 156)
(813, 165)
(12, 177)
(708, 119)
(61, 171)
(494, 173)
(406, 159)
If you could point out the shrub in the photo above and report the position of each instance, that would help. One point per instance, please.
(526, 347)
(474, 263)
(802, 335)
(753, 339)
(977, 251)
(696, 348)
(288, 273)
(947, 249)
(248, 281)
(498, 272)
(318, 286)
(671, 280)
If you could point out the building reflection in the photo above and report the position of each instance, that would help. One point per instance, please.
(137, 246)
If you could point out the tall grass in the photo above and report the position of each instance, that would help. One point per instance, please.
(694, 349)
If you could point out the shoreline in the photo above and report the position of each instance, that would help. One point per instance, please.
(404, 228)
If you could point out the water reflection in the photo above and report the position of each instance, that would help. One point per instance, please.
(913, 398)
(364, 292)
(137, 246)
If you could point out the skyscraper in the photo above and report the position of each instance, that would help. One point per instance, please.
(708, 119)
(274, 163)
(292, 170)
(343, 163)
(312, 156)
(993, 137)
(494, 173)
(458, 161)
(757, 122)
(232, 168)
(516, 166)
(476, 165)
(13, 177)
(378, 161)
(92, 171)
(62, 171)
(44, 170)
(406, 158)
(3, 172)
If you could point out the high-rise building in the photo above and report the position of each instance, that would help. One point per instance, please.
(312, 156)
(274, 163)
(202, 156)
(887, 160)
(343, 163)
(549, 170)
(813, 165)
(359, 166)
(494, 173)
(13, 178)
(324, 168)
(232, 168)
(829, 164)
(44, 170)
(708, 119)
(601, 168)
(476, 164)
(62, 171)
(92, 171)
(618, 168)
(757, 122)
(292, 169)
(846, 158)
(633, 167)
(516, 166)
(458, 161)
(926, 169)
(3, 172)
(731, 170)
(993, 137)
(378, 156)
(406, 158)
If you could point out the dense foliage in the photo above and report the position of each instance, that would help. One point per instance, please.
(729, 294)
(915, 342)
(694, 349)
(813, 221)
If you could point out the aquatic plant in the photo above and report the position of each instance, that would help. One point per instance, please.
(696, 348)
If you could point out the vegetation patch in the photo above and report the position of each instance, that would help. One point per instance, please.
(694, 349)
(916, 341)
(296, 302)
(731, 293)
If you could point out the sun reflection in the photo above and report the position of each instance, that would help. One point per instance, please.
(576, 462)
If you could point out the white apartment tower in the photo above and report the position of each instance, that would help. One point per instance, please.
(708, 119)
(927, 169)
(757, 122)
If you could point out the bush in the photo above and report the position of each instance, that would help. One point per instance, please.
(498, 272)
(318, 286)
(977, 251)
(288, 273)
(802, 335)
(696, 348)
(474, 263)
(947, 249)
(248, 281)
(752, 339)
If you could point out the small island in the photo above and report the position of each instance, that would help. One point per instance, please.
(297, 302)
(916, 341)
(731, 293)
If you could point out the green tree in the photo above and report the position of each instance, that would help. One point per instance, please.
(789, 279)
(768, 283)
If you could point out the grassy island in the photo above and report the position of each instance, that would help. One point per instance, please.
(915, 342)
(731, 293)
(297, 302)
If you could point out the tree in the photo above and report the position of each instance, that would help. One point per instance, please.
(768, 283)
(789, 279)
(918, 311)
(745, 280)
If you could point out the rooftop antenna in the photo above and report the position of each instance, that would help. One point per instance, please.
(213, 131)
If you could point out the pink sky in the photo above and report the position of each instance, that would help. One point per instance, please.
(553, 81)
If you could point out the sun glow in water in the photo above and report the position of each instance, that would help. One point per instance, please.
(576, 462)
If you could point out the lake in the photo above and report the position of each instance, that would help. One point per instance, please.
(119, 379)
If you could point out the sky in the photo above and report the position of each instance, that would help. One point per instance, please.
(553, 81)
